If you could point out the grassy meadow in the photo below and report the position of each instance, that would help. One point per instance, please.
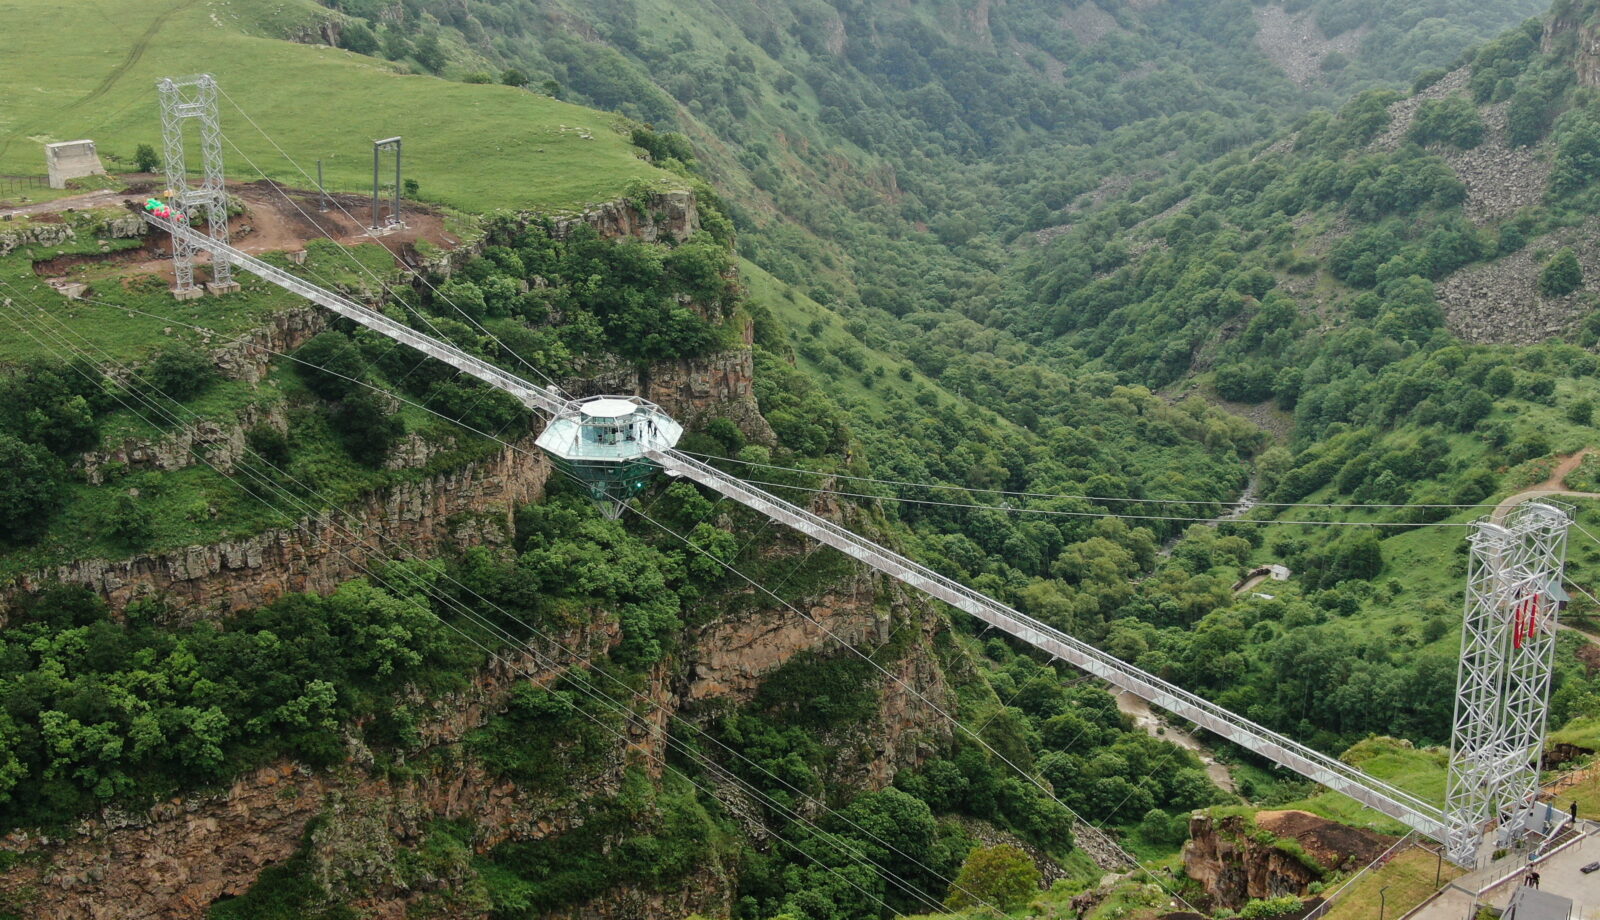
(89, 69)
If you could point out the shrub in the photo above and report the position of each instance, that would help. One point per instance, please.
(30, 488)
(359, 38)
(1001, 875)
(366, 426)
(1452, 121)
(181, 373)
(1581, 412)
(129, 522)
(269, 444)
(145, 159)
(329, 364)
(1271, 907)
(1561, 275)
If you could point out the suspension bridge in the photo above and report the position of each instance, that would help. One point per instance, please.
(617, 444)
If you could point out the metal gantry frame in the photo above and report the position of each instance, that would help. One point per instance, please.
(1508, 640)
(378, 147)
(185, 99)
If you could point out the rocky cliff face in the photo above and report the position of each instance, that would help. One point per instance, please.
(51, 230)
(173, 861)
(220, 441)
(358, 825)
(463, 507)
(1277, 853)
(1575, 29)
(694, 391)
(659, 217)
(466, 506)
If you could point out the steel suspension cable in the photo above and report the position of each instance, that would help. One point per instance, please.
(584, 685)
(507, 637)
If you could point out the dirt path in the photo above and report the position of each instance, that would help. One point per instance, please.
(101, 199)
(1553, 486)
(1144, 719)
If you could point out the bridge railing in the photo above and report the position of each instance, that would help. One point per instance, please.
(530, 394)
(1334, 774)
(1340, 777)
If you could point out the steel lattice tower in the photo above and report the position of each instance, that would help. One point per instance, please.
(1503, 683)
(184, 98)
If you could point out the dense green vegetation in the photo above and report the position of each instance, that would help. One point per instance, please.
(101, 710)
(1211, 243)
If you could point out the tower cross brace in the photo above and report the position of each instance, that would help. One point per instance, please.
(1508, 635)
(185, 99)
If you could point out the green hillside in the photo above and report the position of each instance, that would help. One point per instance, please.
(90, 70)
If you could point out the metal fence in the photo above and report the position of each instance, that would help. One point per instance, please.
(16, 185)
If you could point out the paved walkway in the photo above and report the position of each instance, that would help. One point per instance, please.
(1558, 875)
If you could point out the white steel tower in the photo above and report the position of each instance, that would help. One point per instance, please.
(183, 99)
(1503, 685)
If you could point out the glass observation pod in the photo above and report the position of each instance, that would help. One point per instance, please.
(602, 442)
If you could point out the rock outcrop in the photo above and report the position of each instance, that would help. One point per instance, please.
(693, 390)
(173, 861)
(470, 505)
(1576, 24)
(220, 442)
(1277, 853)
(34, 234)
(660, 217)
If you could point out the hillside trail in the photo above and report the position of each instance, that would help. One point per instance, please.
(1551, 487)
(1146, 720)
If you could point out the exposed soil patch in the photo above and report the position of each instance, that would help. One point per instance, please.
(152, 248)
(275, 219)
(1328, 842)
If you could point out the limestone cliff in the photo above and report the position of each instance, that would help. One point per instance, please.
(469, 505)
(360, 825)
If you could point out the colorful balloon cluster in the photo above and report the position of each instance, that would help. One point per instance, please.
(156, 207)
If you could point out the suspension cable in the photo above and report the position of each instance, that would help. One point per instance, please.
(505, 636)
(1090, 498)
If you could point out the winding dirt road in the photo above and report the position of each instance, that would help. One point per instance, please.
(1549, 488)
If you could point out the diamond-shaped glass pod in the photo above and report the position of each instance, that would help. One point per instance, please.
(602, 442)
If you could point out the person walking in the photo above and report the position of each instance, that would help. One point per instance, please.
(1534, 878)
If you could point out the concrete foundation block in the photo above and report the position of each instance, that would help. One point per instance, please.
(71, 160)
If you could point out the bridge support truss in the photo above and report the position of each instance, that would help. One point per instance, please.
(1508, 645)
(185, 99)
